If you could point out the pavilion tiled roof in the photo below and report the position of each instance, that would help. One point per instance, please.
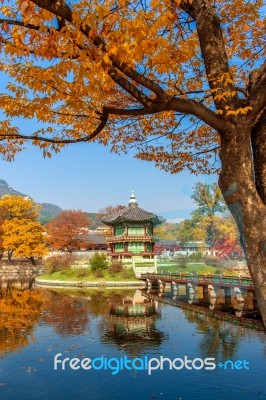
(132, 214)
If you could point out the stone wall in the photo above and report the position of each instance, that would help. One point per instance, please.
(20, 269)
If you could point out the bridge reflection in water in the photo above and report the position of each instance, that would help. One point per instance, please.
(235, 295)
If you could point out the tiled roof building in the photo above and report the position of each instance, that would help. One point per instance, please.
(132, 231)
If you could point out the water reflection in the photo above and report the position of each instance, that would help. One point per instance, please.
(19, 312)
(68, 315)
(218, 340)
(117, 323)
(131, 325)
(127, 319)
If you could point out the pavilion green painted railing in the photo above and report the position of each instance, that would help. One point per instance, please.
(206, 278)
(129, 238)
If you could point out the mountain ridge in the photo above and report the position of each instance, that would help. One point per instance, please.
(48, 211)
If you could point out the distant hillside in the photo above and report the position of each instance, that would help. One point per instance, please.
(95, 222)
(47, 212)
(6, 189)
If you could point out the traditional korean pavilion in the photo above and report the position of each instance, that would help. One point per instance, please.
(132, 231)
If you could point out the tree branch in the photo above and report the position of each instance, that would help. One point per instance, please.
(212, 47)
(183, 106)
(87, 138)
(61, 9)
(19, 23)
(257, 90)
(129, 88)
(163, 102)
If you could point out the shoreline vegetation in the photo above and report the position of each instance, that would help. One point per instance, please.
(78, 274)
(86, 275)
(97, 270)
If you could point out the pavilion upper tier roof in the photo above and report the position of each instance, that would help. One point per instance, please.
(132, 213)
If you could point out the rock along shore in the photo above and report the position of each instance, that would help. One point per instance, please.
(88, 284)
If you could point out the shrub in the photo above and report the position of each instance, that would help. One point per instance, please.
(98, 262)
(125, 274)
(182, 262)
(115, 267)
(81, 273)
(58, 263)
(98, 273)
(196, 256)
(213, 261)
(218, 271)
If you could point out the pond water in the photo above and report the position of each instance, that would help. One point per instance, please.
(119, 330)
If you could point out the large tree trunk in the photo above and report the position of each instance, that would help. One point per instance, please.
(32, 260)
(239, 187)
(9, 256)
(258, 140)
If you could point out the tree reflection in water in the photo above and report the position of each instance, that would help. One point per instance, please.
(19, 313)
(219, 340)
(67, 314)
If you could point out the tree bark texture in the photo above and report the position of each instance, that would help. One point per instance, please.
(239, 187)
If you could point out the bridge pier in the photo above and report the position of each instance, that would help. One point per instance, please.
(222, 293)
(148, 284)
(212, 297)
(178, 290)
(216, 297)
(174, 290)
(161, 286)
(192, 292)
(242, 301)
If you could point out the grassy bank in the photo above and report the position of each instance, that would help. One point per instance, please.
(85, 274)
(199, 268)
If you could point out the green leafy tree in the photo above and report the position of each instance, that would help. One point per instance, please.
(98, 262)
(208, 198)
(166, 231)
(210, 201)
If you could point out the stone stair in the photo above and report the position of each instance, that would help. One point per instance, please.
(143, 269)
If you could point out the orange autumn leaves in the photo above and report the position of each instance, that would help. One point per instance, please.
(72, 65)
(69, 230)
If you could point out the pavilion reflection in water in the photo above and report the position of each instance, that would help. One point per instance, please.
(131, 324)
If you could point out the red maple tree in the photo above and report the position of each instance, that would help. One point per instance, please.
(68, 231)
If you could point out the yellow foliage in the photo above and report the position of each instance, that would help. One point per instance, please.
(18, 207)
(19, 312)
(21, 233)
(24, 238)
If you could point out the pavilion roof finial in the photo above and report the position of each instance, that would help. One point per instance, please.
(132, 201)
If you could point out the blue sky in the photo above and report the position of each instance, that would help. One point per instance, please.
(86, 176)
